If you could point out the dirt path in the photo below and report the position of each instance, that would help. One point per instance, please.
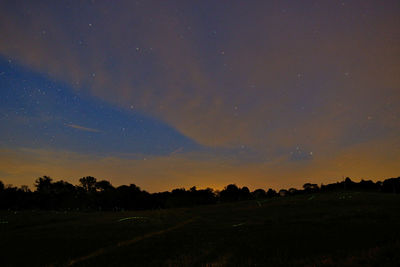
(128, 242)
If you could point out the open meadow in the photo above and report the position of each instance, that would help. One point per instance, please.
(340, 228)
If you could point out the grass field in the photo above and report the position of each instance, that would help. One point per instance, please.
(346, 229)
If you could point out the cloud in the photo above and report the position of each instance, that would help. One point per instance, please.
(270, 80)
(86, 129)
(176, 151)
(311, 76)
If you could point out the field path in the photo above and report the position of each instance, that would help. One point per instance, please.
(129, 242)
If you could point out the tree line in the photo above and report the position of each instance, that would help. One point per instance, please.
(91, 194)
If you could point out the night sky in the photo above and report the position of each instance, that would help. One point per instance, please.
(168, 94)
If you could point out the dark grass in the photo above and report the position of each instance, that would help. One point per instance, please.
(346, 229)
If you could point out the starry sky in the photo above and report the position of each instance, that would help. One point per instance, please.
(169, 94)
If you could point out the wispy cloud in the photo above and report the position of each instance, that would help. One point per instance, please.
(82, 128)
(178, 150)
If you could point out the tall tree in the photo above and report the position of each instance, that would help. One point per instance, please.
(43, 184)
(88, 183)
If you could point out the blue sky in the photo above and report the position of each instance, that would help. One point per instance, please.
(39, 112)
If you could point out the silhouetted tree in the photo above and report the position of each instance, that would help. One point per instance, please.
(104, 185)
(130, 197)
(101, 195)
(368, 185)
(391, 185)
(293, 191)
(310, 188)
(271, 193)
(88, 183)
(379, 186)
(283, 192)
(259, 193)
(205, 196)
(43, 184)
(230, 193)
(25, 189)
(1, 186)
(348, 184)
(245, 193)
(62, 195)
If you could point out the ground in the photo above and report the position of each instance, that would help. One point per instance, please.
(341, 228)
